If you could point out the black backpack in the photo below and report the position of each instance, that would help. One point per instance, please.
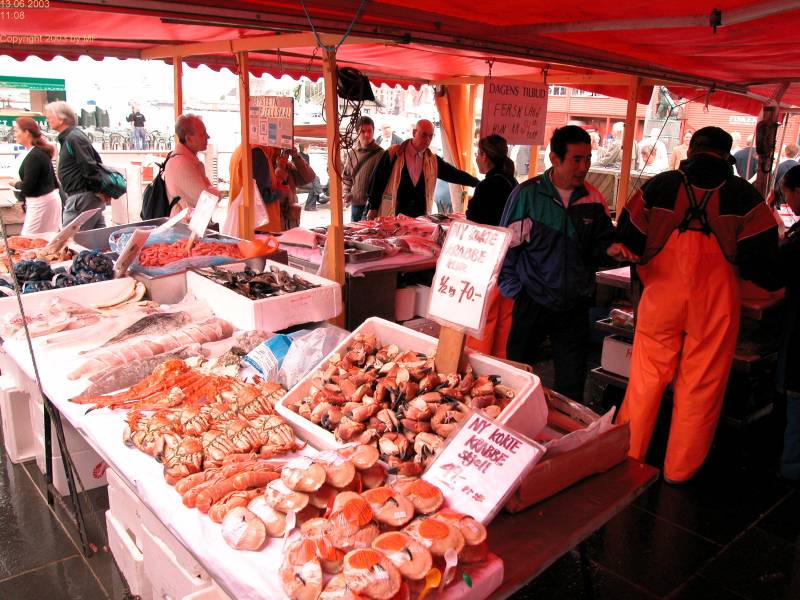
(155, 202)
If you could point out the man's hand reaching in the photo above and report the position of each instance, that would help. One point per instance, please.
(620, 252)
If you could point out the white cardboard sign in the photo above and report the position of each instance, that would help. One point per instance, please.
(69, 230)
(481, 466)
(515, 109)
(272, 121)
(201, 216)
(131, 250)
(466, 271)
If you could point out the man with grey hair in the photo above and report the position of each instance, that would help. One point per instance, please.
(184, 174)
(77, 167)
(612, 157)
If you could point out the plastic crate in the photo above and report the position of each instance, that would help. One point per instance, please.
(128, 509)
(129, 558)
(90, 466)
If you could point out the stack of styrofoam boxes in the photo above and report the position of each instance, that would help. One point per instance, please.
(155, 564)
(17, 433)
(90, 466)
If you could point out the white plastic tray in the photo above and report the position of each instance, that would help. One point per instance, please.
(527, 412)
(269, 314)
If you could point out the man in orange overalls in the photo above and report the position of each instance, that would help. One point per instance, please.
(691, 227)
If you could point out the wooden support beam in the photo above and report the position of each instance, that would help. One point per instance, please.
(177, 82)
(246, 213)
(627, 144)
(249, 44)
(450, 350)
(333, 262)
(533, 165)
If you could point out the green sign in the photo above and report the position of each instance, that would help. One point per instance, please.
(9, 120)
(32, 83)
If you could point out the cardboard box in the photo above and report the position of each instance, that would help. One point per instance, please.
(616, 356)
(269, 314)
(526, 413)
(559, 471)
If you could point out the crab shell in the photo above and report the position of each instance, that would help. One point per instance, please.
(426, 497)
(369, 572)
(437, 536)
(330, 557)
(373, 477)
(337, 589)
(473, 531)
(243, 530)
(412, 558)
(274, 520)
(323, 497)
(362, 456)
(300, 572)
(303, 475)
(339, 471)
(389, 506)
(281, 498)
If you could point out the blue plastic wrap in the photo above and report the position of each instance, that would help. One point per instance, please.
(119, 238)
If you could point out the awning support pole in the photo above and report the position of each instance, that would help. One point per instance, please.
(246, 213)
(627, 145)
(333, 267)
(177, 80)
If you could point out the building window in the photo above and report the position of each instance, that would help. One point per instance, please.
(558, 90)
(584, 93)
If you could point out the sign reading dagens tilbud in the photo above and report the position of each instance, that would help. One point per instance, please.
(481, 466)
(466, 273)
(515, 109)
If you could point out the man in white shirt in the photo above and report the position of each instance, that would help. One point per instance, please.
(184, 174)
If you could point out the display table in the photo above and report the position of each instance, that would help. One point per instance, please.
(370, 286)
(530, 541)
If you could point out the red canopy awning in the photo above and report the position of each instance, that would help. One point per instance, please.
(754, 53)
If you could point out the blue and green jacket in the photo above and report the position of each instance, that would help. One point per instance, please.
(555, 251)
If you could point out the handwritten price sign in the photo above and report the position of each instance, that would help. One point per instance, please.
(481, 466)
(465, 274)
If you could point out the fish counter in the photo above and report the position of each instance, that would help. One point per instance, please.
(221, 483)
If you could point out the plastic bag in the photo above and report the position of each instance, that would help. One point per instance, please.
(231, 224)
(119, 238)
(307, 351)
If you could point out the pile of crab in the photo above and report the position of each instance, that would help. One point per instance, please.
(396, 400)
(358, 537)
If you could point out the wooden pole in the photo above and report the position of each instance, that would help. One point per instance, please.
(627, 144)
(177, 81)
(246, 213)
(333, 262)
(449, 350)
(533, 165)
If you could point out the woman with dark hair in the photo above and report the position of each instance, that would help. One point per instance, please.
(789, 357)
(37, 180)
(486, 208)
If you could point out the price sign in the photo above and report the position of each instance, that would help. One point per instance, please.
(201, 216)
(515, 109)
(465, 274)
(131, 250)
(481, 466)
(272, 121)
(72, 228)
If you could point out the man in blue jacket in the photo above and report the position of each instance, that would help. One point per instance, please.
(561, 230)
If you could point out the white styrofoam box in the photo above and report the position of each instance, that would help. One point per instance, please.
(128, 557)
(421, 300)
(152, 525)
(212, 593)
(86, 294)
(269, 314)
(527, 412)
(169, 580)
(75, 441)
(404, 303)
(17, 433)
(128, 509)
(87, 462)
(616, 356)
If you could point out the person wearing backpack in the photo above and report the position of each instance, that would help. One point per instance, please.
(359, 165)
(78, 167)
(184, 174)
